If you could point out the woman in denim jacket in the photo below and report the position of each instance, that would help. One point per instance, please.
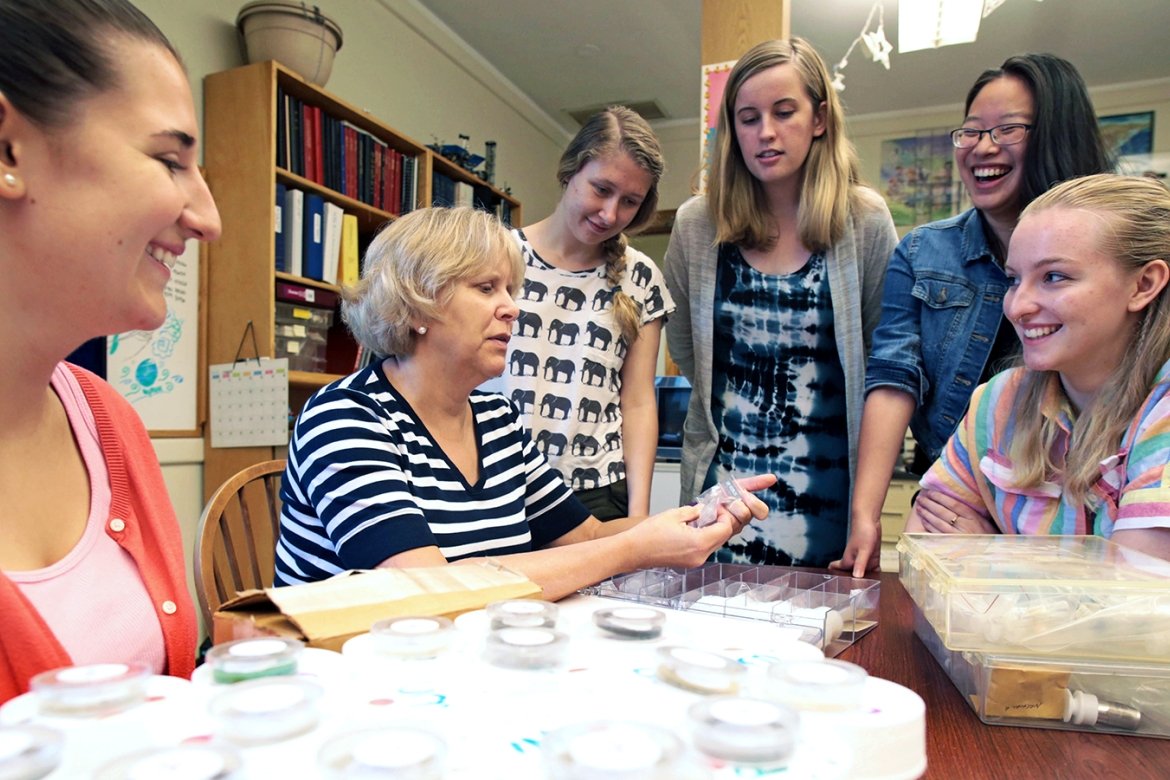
(776, 274)
(1028, 125)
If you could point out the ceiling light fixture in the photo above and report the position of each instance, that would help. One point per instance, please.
(929, 24)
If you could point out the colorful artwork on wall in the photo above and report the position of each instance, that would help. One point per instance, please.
(1128, 134)
(918, 178)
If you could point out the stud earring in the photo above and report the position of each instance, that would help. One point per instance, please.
(422, 330)
(10, 179)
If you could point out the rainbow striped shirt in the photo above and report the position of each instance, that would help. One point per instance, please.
(1133, 492)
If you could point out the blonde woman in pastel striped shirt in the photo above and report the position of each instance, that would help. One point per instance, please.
(1076, 441)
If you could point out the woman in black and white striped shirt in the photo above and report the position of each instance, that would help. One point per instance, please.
(404, 464)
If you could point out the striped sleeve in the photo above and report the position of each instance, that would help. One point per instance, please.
(957, 471)
(1145, 499)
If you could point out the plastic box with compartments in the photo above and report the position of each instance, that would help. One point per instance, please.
(827, 610)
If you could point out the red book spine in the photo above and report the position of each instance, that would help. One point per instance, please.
(319, 137)
(396, 183)
(351, 162)
(307, 140)
(378, 155)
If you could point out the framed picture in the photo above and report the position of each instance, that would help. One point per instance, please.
(918, 178)
(1128, 134)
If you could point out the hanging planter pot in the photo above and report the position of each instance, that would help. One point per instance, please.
(297, 35)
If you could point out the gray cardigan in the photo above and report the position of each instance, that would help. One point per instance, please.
(857, 267)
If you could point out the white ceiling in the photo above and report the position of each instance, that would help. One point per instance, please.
(569, 54)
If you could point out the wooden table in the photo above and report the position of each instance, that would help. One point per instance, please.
(959, 745)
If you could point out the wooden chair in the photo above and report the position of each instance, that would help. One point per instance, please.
(236, 541)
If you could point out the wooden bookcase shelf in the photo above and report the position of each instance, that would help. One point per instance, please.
(240, 125)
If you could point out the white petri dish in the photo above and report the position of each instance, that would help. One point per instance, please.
(183, 762)
(526, 648)
(828, 685)
(613, 749)
(744, 730)
(29, 752)
(90, 691)
(631, 622)
(252, 659)
(698, 670)
(412, 637)
(268, 710)
(389, 753)
(522, 613)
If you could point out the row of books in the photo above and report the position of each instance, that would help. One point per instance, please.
(343, 157)
(315, 238)
(446, 191)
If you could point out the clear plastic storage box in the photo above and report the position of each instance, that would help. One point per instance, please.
(1117, 697)
(302, 333)
(831, 611)
(1079, 597)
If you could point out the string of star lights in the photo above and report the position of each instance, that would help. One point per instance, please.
(922, 24)
(874, 41)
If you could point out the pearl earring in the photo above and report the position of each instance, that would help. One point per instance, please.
(422, 330)
(10, 179)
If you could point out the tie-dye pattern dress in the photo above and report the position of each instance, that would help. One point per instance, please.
(778, 402)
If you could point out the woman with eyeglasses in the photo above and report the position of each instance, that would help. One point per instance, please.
(1028, 125)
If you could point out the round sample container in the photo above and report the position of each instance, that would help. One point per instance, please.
(28, 752)
(267, 710)
(826, 686)
(251, 659)
(183, 762)
(630, 622)
(412, 637)
(522, 613)
(698, 670)
(526, 648)
(94, 690)
(613, 749)
(393, 752)
(744, 730)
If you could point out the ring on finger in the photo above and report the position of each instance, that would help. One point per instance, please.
(954, 519)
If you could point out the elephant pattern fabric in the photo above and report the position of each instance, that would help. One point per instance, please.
(564, 368)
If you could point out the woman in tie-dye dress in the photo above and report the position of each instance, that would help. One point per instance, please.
(777, 276)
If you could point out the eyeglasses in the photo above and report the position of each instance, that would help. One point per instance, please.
(1003, 135)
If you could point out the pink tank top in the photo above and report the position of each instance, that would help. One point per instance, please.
(94, 599)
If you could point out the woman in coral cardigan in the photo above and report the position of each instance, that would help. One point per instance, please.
(99, 193)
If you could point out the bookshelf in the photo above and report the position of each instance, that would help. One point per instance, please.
(241, 149)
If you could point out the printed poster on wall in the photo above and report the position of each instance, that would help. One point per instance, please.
(156, 370)
(714, 82)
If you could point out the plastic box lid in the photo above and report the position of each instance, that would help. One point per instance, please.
(1070, 596)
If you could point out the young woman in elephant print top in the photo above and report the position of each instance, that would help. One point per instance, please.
(582, 358)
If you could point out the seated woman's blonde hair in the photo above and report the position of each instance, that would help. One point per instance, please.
(410, 268)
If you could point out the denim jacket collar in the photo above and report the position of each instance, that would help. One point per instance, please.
(974, 248)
